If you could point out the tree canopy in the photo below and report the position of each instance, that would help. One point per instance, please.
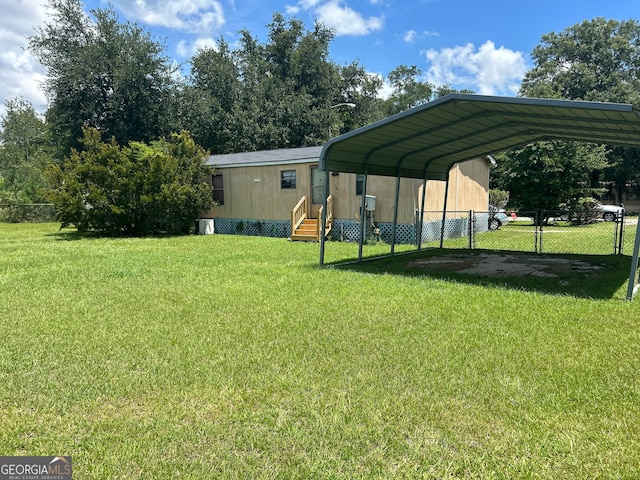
(114, 77)
(544, 175)
(103, 74)
(277, 94)
(596, 60)
(24, 152)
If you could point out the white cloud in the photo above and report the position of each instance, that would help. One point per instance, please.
(20, 73)
(193, 16)
(410, 36)
(387, 89)
(337, 15)
(308, 4)
(188, 49)
(488, 70)
(292, 10)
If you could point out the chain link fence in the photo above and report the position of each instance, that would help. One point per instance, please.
(27, 212)
(538, 232)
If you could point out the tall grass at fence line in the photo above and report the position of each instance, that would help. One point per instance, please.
(236, 357)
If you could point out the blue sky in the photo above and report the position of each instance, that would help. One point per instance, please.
(484, 46)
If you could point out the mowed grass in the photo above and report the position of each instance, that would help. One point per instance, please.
(237, 357)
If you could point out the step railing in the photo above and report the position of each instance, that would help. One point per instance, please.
(324, 230)
(298, 214)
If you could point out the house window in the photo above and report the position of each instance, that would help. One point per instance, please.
(359, 183)
(217, 189)
(288, 179)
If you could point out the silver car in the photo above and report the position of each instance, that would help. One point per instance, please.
(609, 212)
(498, 218)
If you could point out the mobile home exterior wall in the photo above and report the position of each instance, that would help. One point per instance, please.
(260, 189)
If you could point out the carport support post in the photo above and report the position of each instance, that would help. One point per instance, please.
(324, 215)
(444, 210)
(395, 216)
(424, 195)
(363, 213)
(634, 265)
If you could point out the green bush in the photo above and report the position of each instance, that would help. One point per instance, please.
(139, 189)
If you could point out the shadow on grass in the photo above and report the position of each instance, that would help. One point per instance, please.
(73, 235)
(585, 276)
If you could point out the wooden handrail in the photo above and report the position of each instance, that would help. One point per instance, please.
(298, 214)
(322, 229)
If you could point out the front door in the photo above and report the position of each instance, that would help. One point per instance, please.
(317, 192)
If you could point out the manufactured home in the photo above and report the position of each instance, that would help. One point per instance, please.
(280, 193)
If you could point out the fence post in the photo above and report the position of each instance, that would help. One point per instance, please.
(621, 236)
(615, 235)
(536, 218)
(475, 227)
(470, 230)
(541, 219)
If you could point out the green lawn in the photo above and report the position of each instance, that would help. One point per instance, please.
(237, 357)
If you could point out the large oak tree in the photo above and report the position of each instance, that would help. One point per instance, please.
(102, 73)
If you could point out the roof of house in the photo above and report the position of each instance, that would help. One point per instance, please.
(282, 156)
(426, 141)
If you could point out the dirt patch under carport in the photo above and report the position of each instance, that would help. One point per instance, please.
(505, 265)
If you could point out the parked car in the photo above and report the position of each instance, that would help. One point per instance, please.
(497, 218)
(609, 212)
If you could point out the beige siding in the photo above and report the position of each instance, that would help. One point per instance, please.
(347, 204)
(468, 188)
(255, 193)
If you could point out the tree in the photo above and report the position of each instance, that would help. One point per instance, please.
(208, 100)
(543, 175)
(102, 74)
(408, 90)
(498, 199)
(140, 189)
(24, 152)
(596, 60)
(361, 88)
(299, 83)
(274, 95)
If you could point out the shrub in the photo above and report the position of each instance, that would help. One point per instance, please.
(140, 189)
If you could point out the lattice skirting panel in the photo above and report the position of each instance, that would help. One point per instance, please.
(349, 230)
(406, 233)
(254, 228)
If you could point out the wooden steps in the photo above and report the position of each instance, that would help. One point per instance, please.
(307, 231)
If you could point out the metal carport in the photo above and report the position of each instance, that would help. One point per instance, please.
(426, 141)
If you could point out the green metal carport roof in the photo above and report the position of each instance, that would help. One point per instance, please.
(426, 141)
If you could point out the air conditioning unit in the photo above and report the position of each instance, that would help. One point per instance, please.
(370, 203)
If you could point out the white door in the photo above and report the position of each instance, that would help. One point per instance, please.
(317, 192)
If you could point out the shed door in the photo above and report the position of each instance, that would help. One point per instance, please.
(317, 192)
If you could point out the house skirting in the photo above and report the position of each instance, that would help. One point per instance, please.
(349, 230)
(253, 228)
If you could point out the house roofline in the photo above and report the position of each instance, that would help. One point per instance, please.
(283, 156)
